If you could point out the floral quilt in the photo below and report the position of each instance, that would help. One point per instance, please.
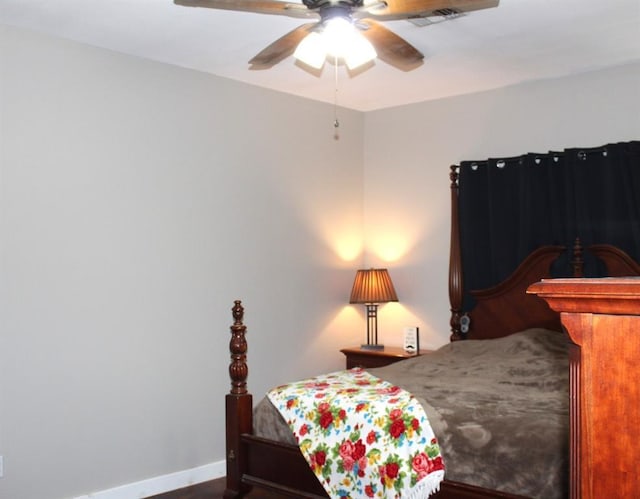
(362, 436)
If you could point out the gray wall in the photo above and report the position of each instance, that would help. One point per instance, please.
(137, 202)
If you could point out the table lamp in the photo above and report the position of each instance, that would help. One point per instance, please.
(371, 287)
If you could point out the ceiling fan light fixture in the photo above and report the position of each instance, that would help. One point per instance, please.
(338, 33)
(311, 50)
(339, 38)
(344, 40)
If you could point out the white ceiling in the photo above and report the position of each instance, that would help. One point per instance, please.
(518, 41)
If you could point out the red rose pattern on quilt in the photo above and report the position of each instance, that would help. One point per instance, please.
(362, 436)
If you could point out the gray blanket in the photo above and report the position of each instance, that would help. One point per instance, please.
(498, 407)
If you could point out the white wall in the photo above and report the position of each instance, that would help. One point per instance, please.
(137, 202)
(408, 151)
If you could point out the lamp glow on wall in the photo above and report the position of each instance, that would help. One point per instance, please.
(371, 287)
(338, 38)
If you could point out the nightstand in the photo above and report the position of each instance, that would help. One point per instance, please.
(358, 357)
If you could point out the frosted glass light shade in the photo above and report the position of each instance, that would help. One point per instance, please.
(311, 50)
(340, 39)
(360, 52)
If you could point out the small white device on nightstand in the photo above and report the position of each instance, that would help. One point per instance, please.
(411, 340)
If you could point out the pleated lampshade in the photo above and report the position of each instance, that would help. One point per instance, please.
(372, 286)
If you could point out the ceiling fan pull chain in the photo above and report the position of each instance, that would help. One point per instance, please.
(336, 123)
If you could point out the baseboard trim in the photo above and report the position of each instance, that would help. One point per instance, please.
(161, 484)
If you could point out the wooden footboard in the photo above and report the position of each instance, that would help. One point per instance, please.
(281, 468)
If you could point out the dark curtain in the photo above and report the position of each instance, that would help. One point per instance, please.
(510, 206)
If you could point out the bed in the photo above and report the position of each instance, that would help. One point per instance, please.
(270, 460)
(456, 385)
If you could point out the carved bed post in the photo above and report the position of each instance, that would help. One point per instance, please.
(239, 407)
(455, 260)
(602, 318)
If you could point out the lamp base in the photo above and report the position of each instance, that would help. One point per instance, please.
(369, 346)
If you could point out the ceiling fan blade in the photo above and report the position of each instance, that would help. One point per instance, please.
(390, 47)
(403, 9)
(282, 48)
(298, 10)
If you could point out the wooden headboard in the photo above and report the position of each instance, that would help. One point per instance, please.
(617, 262)
(506, 308)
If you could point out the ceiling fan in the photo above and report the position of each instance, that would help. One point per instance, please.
(363, 14)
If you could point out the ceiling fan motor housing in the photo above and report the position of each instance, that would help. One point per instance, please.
(329, 12)
(320, 4)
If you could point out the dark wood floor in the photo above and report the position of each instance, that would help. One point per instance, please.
(206, 490)
(209, 490)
